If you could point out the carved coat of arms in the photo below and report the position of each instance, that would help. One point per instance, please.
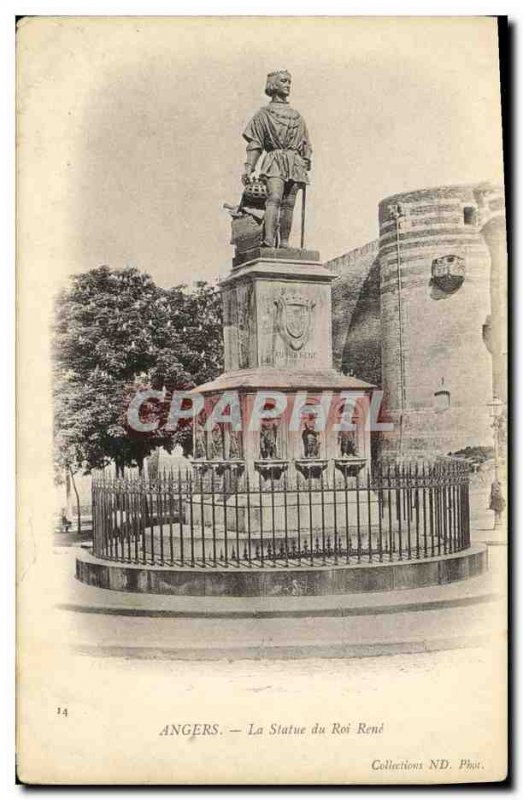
(294, 319)
(448, 272)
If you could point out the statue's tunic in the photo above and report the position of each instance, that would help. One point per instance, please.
(281, 132)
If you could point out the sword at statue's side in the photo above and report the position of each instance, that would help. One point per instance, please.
(303, 202)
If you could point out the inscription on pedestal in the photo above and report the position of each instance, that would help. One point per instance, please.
(294, 329)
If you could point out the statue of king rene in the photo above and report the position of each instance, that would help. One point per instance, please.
(280, 132)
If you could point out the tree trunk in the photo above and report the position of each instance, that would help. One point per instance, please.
(78, 514)
(68, 495)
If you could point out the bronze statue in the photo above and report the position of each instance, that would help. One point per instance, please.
(280, 132)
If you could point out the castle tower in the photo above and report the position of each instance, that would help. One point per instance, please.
(435, 287)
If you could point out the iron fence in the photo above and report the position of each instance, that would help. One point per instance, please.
(221, 517)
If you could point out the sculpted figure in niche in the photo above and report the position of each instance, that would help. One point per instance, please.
(347, 444)
(311, 441)
(200, 445)
(268, 443)
(280, 132)
(235, 448)
(217, 443)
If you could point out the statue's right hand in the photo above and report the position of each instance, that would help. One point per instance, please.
(246, 178)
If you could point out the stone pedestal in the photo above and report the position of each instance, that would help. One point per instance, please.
(277, 313)
(278, 338)
(260, 514)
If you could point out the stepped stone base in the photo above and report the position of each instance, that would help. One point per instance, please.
(256, 582)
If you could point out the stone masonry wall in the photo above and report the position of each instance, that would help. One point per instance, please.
(356, 313)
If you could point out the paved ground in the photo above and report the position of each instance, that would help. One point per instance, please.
(283, 638)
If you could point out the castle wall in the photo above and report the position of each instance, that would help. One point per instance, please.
(356, 313)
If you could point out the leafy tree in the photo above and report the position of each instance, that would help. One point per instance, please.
(117, 332)
(188, 337)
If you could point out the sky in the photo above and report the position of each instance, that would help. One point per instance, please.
(129, 129)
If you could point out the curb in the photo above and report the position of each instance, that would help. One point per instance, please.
(288, 652)
(334, 611)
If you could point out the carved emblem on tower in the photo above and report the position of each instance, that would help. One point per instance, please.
(448, 272)
(294, 318)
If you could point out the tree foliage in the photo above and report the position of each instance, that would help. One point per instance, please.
(116, 331)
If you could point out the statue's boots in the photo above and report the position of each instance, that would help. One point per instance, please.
(286, 213)
(270, 222)
(287, 209)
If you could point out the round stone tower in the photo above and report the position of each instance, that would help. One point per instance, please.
(435, 285)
